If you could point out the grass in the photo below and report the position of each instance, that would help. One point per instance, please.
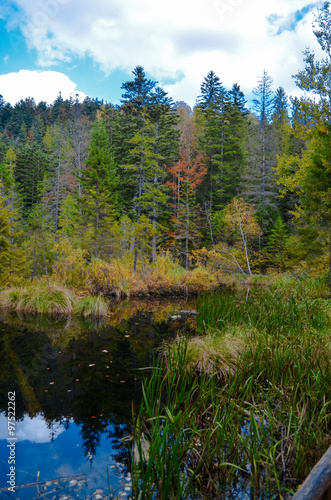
(213, 353)
(264, 423)
(91, 306)
(52, 299)
(39, 298)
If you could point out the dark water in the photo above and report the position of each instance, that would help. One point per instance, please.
(75, 382)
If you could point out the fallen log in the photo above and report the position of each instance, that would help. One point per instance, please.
(317, 486)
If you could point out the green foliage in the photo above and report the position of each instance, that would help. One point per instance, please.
(98, 203)
(4, 233)
(39, 298)
(276, 243)
(13, 260)
(91, 306)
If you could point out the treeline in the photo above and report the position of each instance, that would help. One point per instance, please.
(238, 190)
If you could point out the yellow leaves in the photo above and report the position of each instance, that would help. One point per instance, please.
(70, 265)
(47, 140)
(239, 216)
(10, 158)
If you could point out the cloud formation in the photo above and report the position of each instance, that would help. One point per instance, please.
(34, 429)
(40, 85)
(237, 39)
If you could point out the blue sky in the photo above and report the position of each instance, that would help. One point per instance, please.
(74, 46)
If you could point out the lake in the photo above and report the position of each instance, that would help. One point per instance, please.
(74, 382)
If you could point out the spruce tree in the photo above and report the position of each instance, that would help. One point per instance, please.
(98, 202)
(260, 186)
(213, 101)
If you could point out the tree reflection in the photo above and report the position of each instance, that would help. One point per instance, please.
(69, 370)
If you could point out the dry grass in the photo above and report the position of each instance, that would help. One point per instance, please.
(53, 299)
(39, 298)
(211, 353)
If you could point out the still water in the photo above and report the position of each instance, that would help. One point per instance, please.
(74, 383)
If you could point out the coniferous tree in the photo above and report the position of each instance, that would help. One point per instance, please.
(4, 232)
(260, 187)
(98, 202)
(236, 135)
(213, 100)
(138, 93)
(31, 165)
(315, 77)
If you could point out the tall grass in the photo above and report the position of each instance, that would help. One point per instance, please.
(91, 306)
(39, 298)
(263, 424)
(52, 299)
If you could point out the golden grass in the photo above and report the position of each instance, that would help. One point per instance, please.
(39, 298)
(212, 353)
(53, 299)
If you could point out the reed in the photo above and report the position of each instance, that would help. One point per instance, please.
(39, 298)
(91, 306)
(263, 424)
(51, 299)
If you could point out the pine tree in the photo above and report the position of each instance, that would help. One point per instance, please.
(5, 232)
(13, 260)
(260, 186)
(213, 101)
(236, 135)
(315, 77)
(145, 170)
(138, 93)
(276, 243)
(98, 202)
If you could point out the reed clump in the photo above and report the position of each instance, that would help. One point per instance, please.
(91, 306)
(39, 298)
(213, 353)
(52, 299)
(262, 426)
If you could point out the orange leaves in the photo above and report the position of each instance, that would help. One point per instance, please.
(190, 169)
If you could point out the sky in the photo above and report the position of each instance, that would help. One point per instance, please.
(90, 48)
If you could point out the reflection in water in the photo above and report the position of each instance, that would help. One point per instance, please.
(75, 381)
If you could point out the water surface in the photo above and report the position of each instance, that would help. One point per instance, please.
(75, 381)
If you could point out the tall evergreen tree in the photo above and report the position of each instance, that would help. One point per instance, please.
(137, 93)
(316, 76)
(98, 202)
(213, 101)
(31, 165)
(260, 185)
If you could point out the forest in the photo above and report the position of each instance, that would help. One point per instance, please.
(226, 209)
(150, 195)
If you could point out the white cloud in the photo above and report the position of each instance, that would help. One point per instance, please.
(34, 429)
(41, 85)
(234, 38)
